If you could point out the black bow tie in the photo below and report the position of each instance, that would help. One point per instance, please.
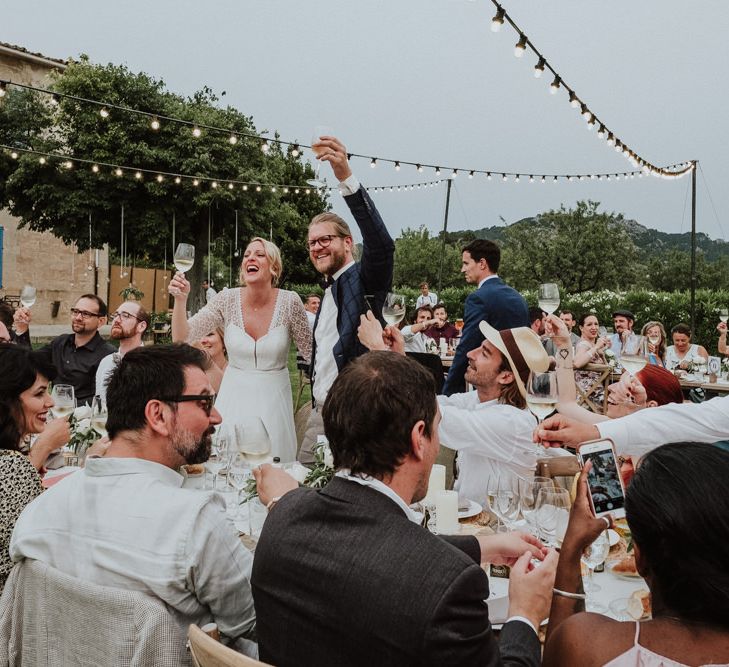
(326, 281)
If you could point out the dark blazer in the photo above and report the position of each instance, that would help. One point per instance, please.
(502, 307)
(342, 577)
(372, 276)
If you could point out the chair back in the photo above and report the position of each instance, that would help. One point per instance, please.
(209, 652)
(562, 470)
(301, 419)
(49, 618)
(433, 363)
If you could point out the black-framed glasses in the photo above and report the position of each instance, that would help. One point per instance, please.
(207, 401)
(85, 314)
(124, 316)
(323, 241)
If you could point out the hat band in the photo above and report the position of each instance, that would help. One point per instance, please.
(522, 368)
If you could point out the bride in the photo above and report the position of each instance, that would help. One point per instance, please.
(258, 320)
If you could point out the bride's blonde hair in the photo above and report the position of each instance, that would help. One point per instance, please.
(274, 258)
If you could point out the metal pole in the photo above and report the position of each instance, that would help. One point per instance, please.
(210, 224)
(445, 228)
(693, 246)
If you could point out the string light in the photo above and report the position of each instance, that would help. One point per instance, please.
(154, 124)
(265, 146)
(42, 160)
(14, 155)
(95, 168)
(373, 163)
(232, 139)
(574, 102)
(397, 166)
(118, 172)
(498, 20)
(419, 168)
(539, 68)
(138, 175)
(554, 86)
(520, 46)
(68, 164)
(295, 150)
(196, 132)
(104, 112)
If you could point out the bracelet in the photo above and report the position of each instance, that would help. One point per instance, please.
(571, 596)
(272, 502)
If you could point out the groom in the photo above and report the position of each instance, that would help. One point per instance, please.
(352, 287)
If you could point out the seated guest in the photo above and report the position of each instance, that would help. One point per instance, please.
(589, 350)
(24, 404)
(76, 356)
(124, 521)
(128, 325)
(415, 339)
(682, 354)
(656, 338)
(345, 575)
(442, 328)
(679, 532)
(489, 428)
(623, 321)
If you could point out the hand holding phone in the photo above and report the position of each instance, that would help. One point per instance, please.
(607, 495)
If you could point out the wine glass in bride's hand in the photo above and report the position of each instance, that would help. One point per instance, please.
(548, 297)
(184, 257)
(27, 296)
(319, 152)
(393, 310)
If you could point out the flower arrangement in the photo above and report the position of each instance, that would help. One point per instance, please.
(83, 434)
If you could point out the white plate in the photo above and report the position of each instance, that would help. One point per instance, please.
(474, 509)
(613, 537)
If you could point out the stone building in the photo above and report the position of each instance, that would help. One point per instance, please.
(59, 273)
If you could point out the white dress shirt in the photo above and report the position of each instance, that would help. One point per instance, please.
(637, 434)
(377, 485)
(414, 342)
(491, 439)
(127, 523)
(429, 299)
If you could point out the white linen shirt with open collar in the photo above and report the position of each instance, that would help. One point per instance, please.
(127, 523)
(491, 439)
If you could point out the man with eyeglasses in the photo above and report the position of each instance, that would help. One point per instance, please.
(352, 287)
(128, 324)
(125, 519)
(76, 356)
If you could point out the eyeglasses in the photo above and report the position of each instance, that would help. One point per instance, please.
(323, 241)
(85, 314)
(207, 400)
(124, 315)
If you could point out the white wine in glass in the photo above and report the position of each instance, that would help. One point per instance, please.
(27, 296)
(64, 400)
(99, 415)
(548, 297)
(542, 394)
(184, 257)
(252, 440)
(724, 315)
(393, 309)
(319, 132)
(633, 355)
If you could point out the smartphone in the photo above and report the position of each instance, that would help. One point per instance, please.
(607, 495)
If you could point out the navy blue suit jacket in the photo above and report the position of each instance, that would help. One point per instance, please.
(372, 276)
(502, 307)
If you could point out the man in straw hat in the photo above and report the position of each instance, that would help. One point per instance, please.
(489, 427)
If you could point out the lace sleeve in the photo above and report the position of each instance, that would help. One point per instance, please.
(298, 324)
(216, 313)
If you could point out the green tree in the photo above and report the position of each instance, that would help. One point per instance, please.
(581, 248)
(418, 259)
(50, 197)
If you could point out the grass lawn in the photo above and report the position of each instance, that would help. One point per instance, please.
(294, 375)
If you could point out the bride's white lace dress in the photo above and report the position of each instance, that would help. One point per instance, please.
(256, 381)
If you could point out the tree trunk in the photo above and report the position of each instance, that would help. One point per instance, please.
(196, 275)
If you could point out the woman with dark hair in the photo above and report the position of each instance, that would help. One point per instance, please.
(683, 353)
(680, 529)
(589, 350)
(24, 404)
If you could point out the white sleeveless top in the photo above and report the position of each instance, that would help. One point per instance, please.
(673, 360)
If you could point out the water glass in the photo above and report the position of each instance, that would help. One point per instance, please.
(552, 514)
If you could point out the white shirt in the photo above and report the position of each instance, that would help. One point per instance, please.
(126, 523)
(310, 318)
(491, 439)
(377, 485)
(493, 275)
(326, 337)
(429, 299)
(639, 433)
(105, 369)
(414, 342)
(209, 294)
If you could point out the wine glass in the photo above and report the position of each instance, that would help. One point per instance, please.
(184, 257)
(238, 475)
(724, 315)
(548, 297)
(542, 394)
(602, 332)
(459, 325)
(633, 353)
(552, 513)
(492, 493)
(217, 460)
(528, 493)
(28, 294)
(592, 557)
(319, 131)
(99, 414)
(393, 309)
(64, 400)
(252, 440)
(507, 499)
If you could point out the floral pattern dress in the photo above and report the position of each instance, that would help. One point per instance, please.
(584, 379)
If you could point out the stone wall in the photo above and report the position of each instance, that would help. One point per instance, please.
(57, 271)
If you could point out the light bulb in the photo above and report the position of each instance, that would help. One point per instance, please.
(470, 174)
(264, 146)
(258, 188)
(160, 178)
(230, 186)
(118, 172)
(520, 46)
(95, 168)
(504, 177)
(437, 171)
(419, 168)
(554, 86)
(591, 123)
(232, 140)
(488, 175)
(531, 179)
(55, 99)
(516, 178)
(104, 112)
(214, 184)
(498, 20)
(155, 123)
(610, 139)
(397, 166)
(373, 163)
(585, 111)
(195, 182)
(68, 164)
(455, 173)
(14, 155)
(539, 68)
(601, 131)
(245, 188)
(178, 180)
(196, 132)
(42, 160)
(295, 150)
(574, 102)
(138, 175)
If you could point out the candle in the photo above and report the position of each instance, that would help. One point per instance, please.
(446, 513)
(436, 482)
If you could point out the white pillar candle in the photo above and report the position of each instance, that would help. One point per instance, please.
(436, 482)
(446, 513)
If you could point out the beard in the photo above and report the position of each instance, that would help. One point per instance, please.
(191, 448)
(118, 333)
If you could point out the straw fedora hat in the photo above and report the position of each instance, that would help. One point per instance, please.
(522, 347)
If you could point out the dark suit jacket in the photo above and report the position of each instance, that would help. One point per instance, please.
(342, 577)
(502, 307)
(371, 276)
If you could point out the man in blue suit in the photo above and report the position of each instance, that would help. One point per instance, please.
(494, 301)
(352, 287)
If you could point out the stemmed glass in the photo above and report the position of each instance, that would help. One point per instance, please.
(595, 554)
(184, 257)
(393, 310)
(27, 296)
(633, 354)
(319, 132)
(238, 475)
(508, 499)
(64, 400)
(542, 394)
(217, 460)
(252, 440)
(99, 414)
(724, 315)
(548, 297)
(528, 493)
(552, 513)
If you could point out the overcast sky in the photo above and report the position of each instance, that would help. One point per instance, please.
(427, 81)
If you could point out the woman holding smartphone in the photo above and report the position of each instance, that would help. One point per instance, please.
(680, 529)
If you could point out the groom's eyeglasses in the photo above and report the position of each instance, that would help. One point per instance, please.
(323, 241)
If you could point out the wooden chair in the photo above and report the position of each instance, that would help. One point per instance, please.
(208, 652)
(301, 418)
(601, 381)
(560, 469)
(304, 381)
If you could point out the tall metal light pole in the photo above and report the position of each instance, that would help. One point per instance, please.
(445, 229)
(693, 245)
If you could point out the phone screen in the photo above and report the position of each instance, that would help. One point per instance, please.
(603, 481)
